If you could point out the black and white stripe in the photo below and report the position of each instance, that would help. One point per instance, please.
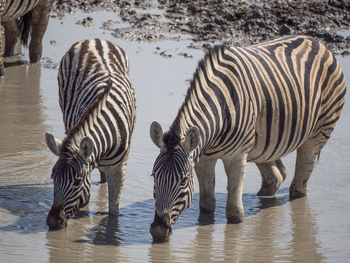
(256, 104)
(98, 106)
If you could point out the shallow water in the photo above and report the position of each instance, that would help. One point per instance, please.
(312, 229)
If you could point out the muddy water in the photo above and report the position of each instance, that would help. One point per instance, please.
(312, 229)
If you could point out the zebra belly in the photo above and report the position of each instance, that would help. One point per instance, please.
(258, 155)
(274, 141)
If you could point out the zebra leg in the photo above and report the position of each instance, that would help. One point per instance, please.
(272, 175)
(2, 72)
(2, 8)
(235, 170)
(103, 177)
(40, 20)
(11, 36)
(305, 163)
(205, 170)
(115, 181)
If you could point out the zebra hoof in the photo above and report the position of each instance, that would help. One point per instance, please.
(297, 191)
(267, 191)
(205, 218)
(269, 188)
(294, 194)
(235, 219)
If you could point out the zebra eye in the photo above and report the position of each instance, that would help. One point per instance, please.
(184, 181)
(77, 182)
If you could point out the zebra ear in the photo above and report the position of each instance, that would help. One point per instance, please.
(53, 143)
(191, 139)
(86, 147)
(157, 133)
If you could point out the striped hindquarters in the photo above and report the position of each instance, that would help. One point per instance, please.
(85, 71)
(16, 8)
(95, 95)
(300, 85)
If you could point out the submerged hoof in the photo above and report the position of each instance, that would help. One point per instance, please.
(267, 191)
(235, 219)
(269, 188)
(295, 193)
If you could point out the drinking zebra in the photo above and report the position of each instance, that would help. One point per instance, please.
(98, 106)
(34, 16)
(254, 104)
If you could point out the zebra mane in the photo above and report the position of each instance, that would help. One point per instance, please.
(86, 115)
(172, 137)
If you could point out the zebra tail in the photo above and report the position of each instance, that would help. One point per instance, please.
(318, 157)
(25, 26)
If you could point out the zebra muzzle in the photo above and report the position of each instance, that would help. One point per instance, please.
(56, 218)
(161, 228)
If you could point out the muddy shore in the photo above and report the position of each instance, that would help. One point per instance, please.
(232, 22)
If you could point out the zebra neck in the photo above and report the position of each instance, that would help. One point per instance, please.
(75, 136)
(84, 128)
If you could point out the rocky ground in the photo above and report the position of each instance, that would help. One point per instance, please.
(232, 22)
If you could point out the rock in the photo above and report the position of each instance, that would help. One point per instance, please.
(185, 55)
(284, 30)
(256, 14)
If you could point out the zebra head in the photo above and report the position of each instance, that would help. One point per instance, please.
(71, 177)
(173, 179)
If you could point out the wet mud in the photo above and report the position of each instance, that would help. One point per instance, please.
(236, 23)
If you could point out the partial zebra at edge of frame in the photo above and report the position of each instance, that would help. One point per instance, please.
(246, 104)
(99, 111)
(21, 18)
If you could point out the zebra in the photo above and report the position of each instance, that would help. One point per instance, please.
(99, 111)
(34, 16)
(246, 104)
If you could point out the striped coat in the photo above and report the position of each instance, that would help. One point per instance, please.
(34, 16)
(257, 104)
(98, 106)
